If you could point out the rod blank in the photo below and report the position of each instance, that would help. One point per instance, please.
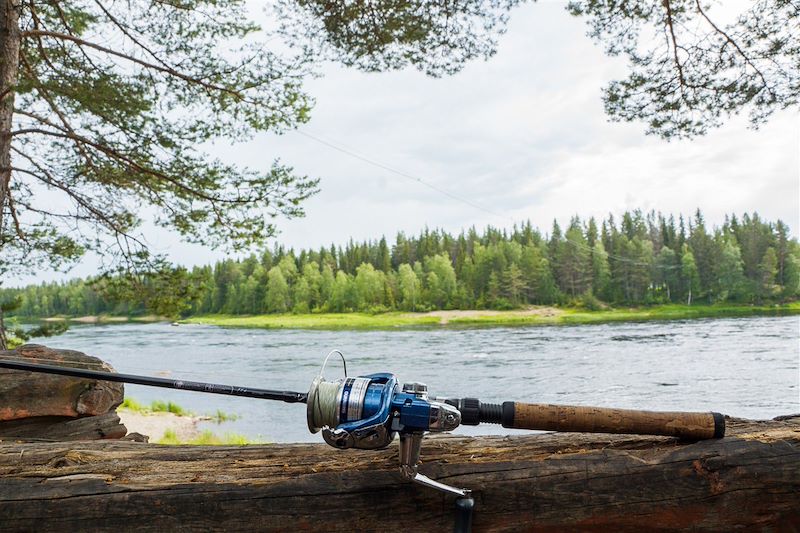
(196, 386)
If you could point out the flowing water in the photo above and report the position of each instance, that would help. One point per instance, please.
(746, 367)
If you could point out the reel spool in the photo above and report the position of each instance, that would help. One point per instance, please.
(331, 403)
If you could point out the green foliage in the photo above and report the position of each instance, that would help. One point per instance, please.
(409, 287)
(767, 270)
(112, 104)
(277, 291)
(162, 289)
(132, 405)
(572, 254)
(526, 317)
(441, 281)
(221, 416)
(208, 438)
(436, 37)
(46, 329)
(645, 259)
(160, 406)
(688, 70)
(368, 287)
(170, 437)
(689, 276)
(590, 302)
(156, 406)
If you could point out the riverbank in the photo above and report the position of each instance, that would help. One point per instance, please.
(169, 423)
(533, 316)
(159, 425)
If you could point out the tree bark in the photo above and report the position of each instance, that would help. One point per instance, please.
(50, 407)
(28, 394)
(9, 67)
(62, 428)
(10, 39)
(547, 482)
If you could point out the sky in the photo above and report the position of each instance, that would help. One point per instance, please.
(522, 136)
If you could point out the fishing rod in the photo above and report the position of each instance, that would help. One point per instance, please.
(367, 412)
(195, 386)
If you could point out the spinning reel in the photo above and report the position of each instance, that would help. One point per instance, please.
(366, 413)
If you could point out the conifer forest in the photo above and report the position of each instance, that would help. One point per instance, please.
(636, 259)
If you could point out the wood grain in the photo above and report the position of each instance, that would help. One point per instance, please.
(28, 394)
(749, 480)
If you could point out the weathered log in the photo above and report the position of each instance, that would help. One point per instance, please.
(749, 480)
(27, 394)
(61, 428)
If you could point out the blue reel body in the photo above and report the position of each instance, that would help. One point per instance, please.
(371, 409)
(382, 397)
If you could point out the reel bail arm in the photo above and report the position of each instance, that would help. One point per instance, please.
(443, 418)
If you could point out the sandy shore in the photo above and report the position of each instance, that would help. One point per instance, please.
(154, 425)
(445, 316)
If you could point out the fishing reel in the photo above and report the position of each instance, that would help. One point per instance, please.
(367, 412)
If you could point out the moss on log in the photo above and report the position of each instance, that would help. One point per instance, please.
(749, 480)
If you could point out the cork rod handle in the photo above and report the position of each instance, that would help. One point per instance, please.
(694, 426)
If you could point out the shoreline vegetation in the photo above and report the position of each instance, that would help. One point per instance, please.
(169, 423)
(642, 260)
(530, 316)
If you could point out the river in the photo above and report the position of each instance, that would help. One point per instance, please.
(746, 367)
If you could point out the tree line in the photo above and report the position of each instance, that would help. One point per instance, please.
(639, 259)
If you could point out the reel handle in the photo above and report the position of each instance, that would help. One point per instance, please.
(547, 417)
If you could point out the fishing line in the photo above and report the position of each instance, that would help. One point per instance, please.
(463, 200)
(325, 412)
(401, 174)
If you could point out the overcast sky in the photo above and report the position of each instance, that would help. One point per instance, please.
(521, 136)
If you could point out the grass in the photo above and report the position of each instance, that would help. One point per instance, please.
(160, 406)
(221, 416)
(533, 317)
(156, 406)
(208, 438)
(683, 312)
(132, 405)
